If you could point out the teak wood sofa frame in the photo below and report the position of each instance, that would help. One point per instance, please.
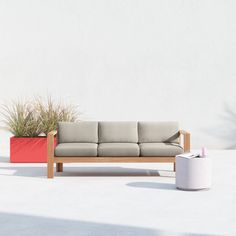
(60, 160)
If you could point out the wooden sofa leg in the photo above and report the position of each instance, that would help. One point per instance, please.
(174, 166)
(59, 167)
(50, 169)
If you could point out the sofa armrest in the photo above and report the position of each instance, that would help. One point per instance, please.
(50, 144)
(186, 140)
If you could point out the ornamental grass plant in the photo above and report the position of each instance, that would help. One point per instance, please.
(36, 117)
(20, 118)
(51, 112)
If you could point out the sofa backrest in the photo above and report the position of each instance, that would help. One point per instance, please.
(156, 132)
(78, 132)
(118, 132)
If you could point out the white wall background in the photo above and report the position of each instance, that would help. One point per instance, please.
(126, 60)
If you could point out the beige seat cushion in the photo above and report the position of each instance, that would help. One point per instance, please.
(76, 149)
(118, 149)
(160, 149)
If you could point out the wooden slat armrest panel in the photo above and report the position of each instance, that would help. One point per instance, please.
(186, 136)
(50, 143)
(50, 147)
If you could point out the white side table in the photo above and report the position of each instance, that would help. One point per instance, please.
(193, 174)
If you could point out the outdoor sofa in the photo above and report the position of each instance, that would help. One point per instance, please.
(115, 141)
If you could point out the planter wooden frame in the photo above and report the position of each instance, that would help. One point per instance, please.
(60, 160)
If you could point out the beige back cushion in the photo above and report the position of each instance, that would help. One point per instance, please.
(118, 132)
(157, 132)
(78, 132)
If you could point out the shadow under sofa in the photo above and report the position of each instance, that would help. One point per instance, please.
(115, 141)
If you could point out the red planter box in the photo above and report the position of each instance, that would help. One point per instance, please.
(28, 150)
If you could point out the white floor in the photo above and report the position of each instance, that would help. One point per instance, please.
(105, 199)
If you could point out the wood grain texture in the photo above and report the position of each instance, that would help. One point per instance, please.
(50, 146)
(113, 159)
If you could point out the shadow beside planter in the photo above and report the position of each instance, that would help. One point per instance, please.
(28, 150)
